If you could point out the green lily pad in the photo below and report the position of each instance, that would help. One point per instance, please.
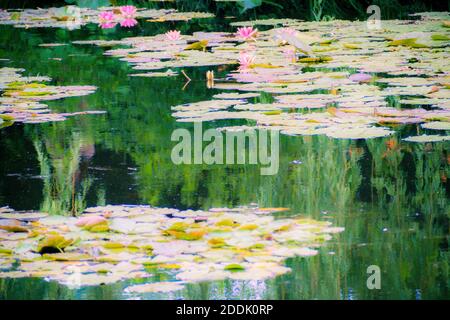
(53, 243)
(234, 267)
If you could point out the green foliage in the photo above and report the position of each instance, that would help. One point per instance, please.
(93, 4)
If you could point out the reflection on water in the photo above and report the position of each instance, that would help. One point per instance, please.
(390, 196)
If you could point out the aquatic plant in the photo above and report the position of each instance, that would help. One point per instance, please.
(128, 22)
(107, 20)
(247, 33)
(173, 35)
(359, 100)
(245, 60)
(245, 243)
(128, 12)
(64, 18)
(22, 97)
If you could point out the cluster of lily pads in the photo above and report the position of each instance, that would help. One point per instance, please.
(73, 17)
(113, 243)
(21, 99)
(336, 78)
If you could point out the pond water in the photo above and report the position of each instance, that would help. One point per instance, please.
(389, 195)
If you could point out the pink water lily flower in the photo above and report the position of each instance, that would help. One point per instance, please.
(106, 16)
(128, 12)
(247, 32)
(128, 23)
(245, 60)
(173, 35)
(106, 19)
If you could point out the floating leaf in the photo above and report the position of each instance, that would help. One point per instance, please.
(351, 46)
(427, 138)
(67, 256)
(28, 216)
(437, 125)
(234, 267)
(20, 100)
(236, 95)
(12, 225)
(5, 251)
(358, 133)
(192, 248)
(53, 243)
(440, 37)
(315, 59)
(199, 45)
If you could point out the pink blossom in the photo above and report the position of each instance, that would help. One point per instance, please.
(128, 22)
(245, 60)
(106, 19)
(106, 16)
(173, 35)
(247, 32)
(128, 12)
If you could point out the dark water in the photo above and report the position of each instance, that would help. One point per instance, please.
(390, 196)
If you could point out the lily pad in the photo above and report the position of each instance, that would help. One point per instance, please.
(53, 243)
(427, 138)
(194, 246)
(12, 225)
(357, 133)
(436, 125)
(29, 216)
(20, 101)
